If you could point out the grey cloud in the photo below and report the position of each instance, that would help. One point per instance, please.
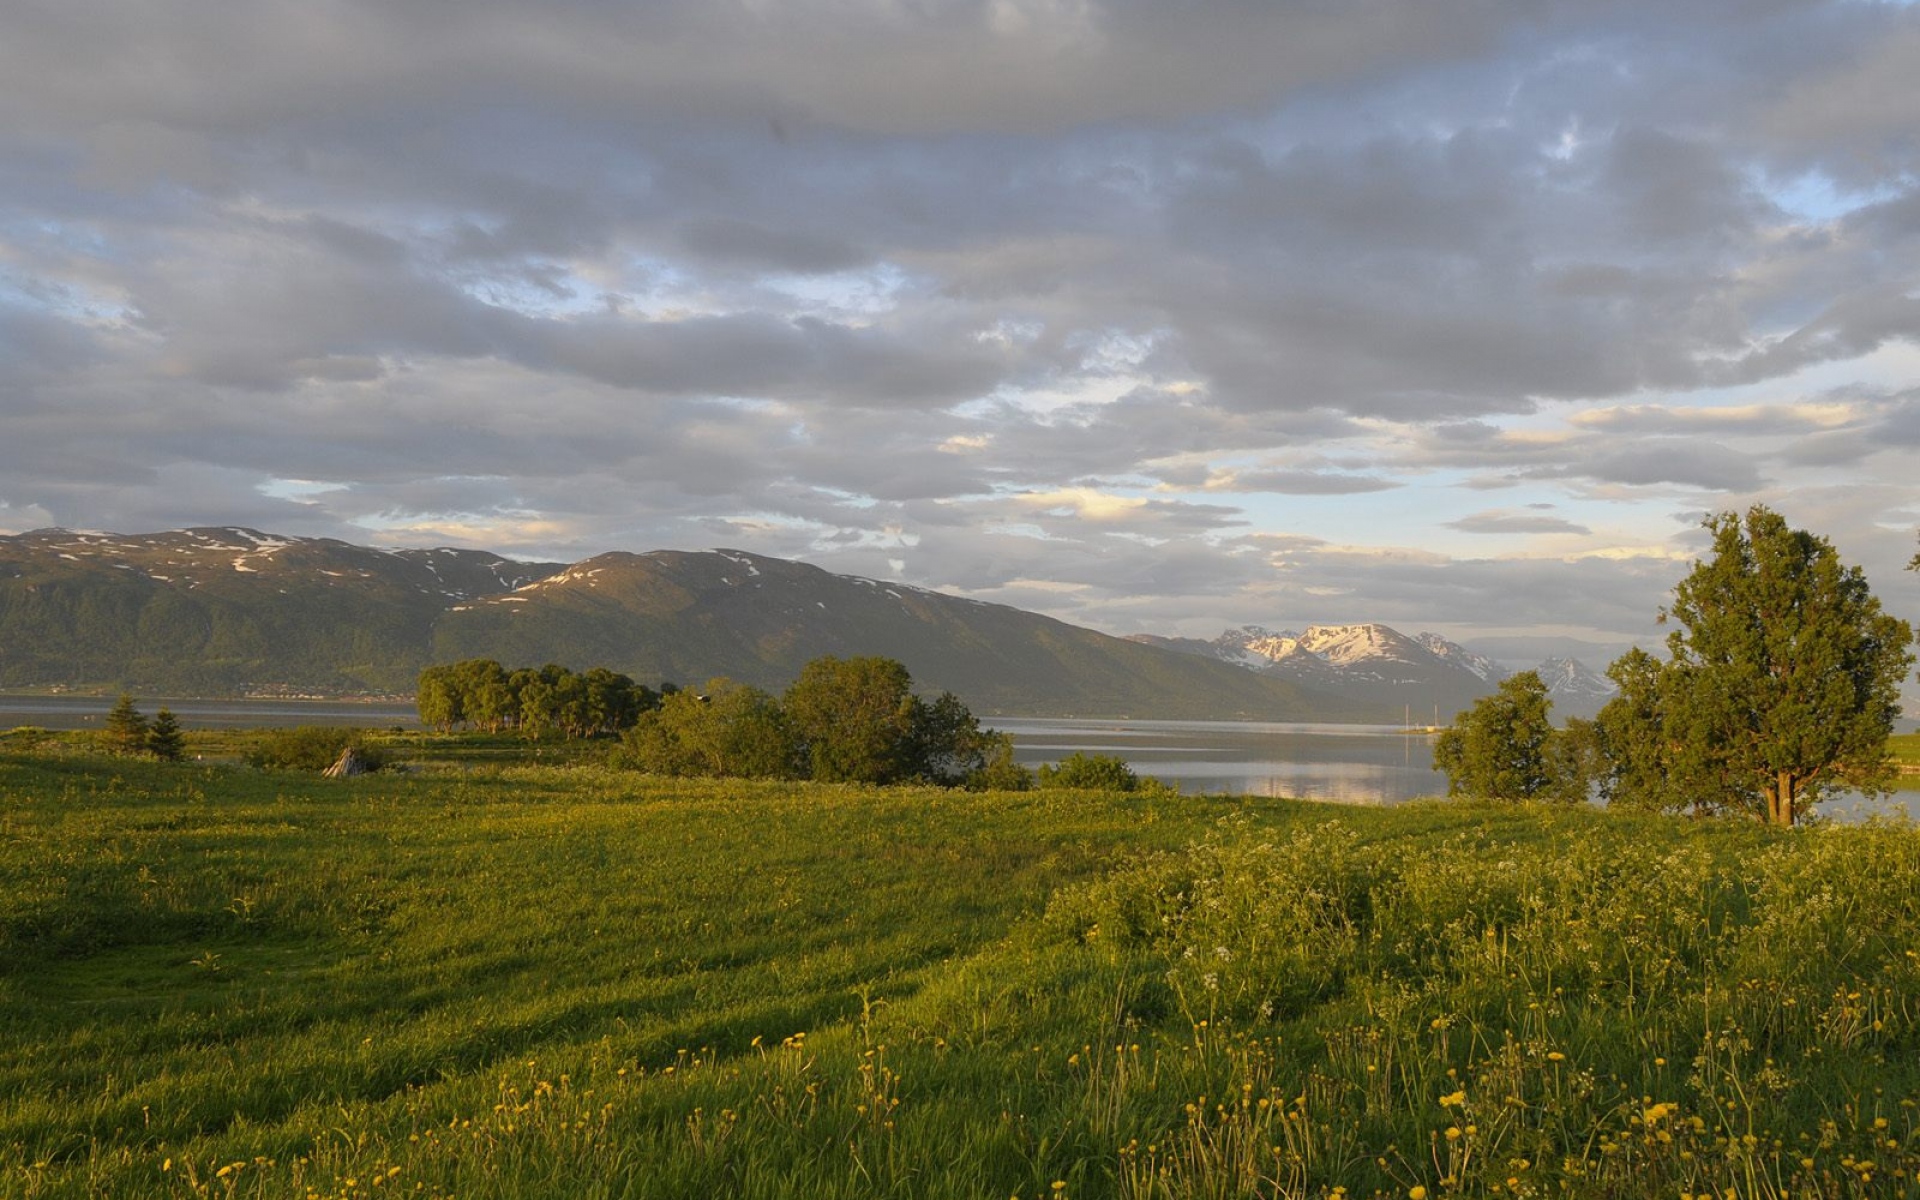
(1601, 457)
(938, 68)
(1901, 424)
(730, 242)
(1859, 114)
(1849, 327)
(1658, 460)
(1495, 521)
(1668, 419)
(1677, 190)
(1306, 483)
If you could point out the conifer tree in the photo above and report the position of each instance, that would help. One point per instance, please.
(126, 728)
(165, 741)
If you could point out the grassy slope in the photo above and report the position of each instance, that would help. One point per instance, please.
(526, 983)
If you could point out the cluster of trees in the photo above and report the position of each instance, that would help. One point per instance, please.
(854, 720)
(1781, 683)
(479, 693)
(128, 731)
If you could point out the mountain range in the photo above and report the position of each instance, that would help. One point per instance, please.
(1425, 676)
(224, 611)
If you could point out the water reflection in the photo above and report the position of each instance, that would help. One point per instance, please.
(1354, 764)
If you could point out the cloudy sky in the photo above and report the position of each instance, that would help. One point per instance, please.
(1151, 314)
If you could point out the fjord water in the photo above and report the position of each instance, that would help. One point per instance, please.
(1349, 764)
(89, 712)
(1353, 764)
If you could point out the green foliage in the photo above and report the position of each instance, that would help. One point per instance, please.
(27, 738)
(1576, 761)
(1587, 1006)
(998, 771)
(1089, 772)
(855, 719)
(310, 748)
(125, 731)
(1782, 682)
(945, 745)
(1505, 747)
(479, 693)
(165, 741)
(1635, 746)
(851, 721)
(732, 730)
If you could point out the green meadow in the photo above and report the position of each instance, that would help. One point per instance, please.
(486, 979)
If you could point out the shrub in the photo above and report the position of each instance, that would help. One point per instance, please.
(311, 748)
(1090, 772)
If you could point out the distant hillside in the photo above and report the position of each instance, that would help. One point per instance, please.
(221, 611)
(687, 616)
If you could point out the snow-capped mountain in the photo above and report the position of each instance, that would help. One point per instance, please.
(1575, 686)
(1479, 664)
(1425, 675)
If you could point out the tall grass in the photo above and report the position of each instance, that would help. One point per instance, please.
(566, 982)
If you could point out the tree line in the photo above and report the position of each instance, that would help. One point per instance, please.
(546, 701)
(855, 720)
(1781, 683)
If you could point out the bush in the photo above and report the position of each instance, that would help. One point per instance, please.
(733, 729)
(997, 771)
(1090, 772)
(311, 748)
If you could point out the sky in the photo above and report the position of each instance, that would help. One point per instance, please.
(1152, 315)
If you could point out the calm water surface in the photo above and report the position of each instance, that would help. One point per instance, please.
(88, 712)
(1355, 764)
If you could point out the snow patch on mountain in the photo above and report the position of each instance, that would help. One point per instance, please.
(1459, 655)
(1571, 679)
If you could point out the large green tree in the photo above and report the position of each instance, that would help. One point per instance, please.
(855, 716)
(1501, 748)
(1635, 742)
(1782, 681)
(730, 729)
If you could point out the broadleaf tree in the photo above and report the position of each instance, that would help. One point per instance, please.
(1501, 747)
(1782, 680)
(1636, 747)
(855, 716)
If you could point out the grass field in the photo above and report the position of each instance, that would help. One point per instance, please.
(1905, 748)
(493, 981)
